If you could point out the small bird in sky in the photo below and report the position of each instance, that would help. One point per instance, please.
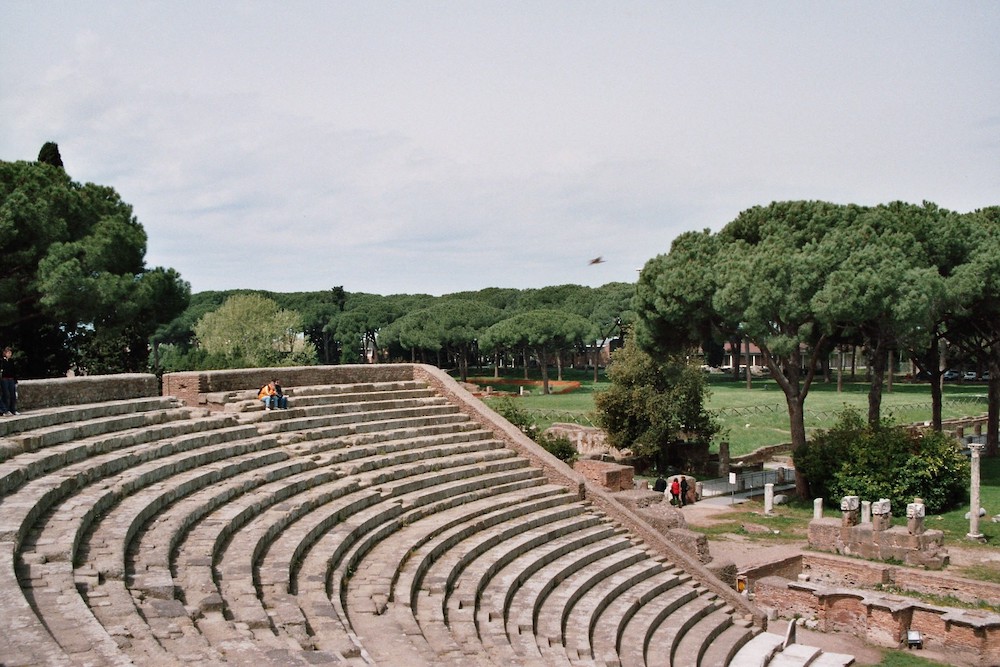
(597, 260)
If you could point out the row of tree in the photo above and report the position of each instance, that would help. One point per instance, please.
(252, 328)
(801, 278)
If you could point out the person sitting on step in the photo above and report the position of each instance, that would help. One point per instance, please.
(280, 400)
(268, 395)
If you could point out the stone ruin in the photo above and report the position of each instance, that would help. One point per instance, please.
(590, 442)
(653, 507)
(865, 529)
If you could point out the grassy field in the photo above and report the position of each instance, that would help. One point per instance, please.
(758, 417)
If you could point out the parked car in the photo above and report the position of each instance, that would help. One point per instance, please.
(986, 375)
(951, 375)
(969, 375)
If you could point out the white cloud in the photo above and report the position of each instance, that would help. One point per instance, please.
(410, 148)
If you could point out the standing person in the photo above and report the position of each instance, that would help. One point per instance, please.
(8, 383)
(280, 400)
(684, 491)
(675, 492)
(267, 395)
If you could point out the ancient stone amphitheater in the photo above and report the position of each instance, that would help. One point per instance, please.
(385, 518)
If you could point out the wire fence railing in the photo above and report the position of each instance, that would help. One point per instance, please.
(564, 416)
(748, 481)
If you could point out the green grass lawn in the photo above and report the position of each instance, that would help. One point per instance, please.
(758, 417)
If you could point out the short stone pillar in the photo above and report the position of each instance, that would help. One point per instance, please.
(959, 432)
(881, 514)
(723, 459)
(978, 428)
(769, 498)
(817, 508)
(915, 518)
(849, 507)
(866, 511)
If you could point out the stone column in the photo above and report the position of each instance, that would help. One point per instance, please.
(849, 507)
(768, 498)
(817, 508)
(915, 518)
(881, 514)
(866, 511)
(974, 534)
(723, 459)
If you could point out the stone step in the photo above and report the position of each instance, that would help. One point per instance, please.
(299, 400)
(595, 593)
(832, 660)
(426, 404)
(722, 650)
(640, 626)
(283, 421)
(19, 510)
(68, 414)
(541, 570)
(329, 392)
(758, 651)
(689, 647)
(795, 655)
(26, 467)
(299, 526)
(363, 585)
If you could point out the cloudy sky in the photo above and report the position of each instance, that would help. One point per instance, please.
(433, 147)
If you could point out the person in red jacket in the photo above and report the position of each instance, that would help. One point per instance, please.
(675, 492)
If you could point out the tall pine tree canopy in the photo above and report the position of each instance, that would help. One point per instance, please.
(75, 291)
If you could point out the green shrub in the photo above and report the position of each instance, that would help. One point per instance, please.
(884, 461)
(557, 445)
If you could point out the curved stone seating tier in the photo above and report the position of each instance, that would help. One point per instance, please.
(390, 521)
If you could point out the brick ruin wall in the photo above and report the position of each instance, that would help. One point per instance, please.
(831, 595)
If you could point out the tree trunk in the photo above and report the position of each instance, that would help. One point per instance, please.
(735, 344)
(840, 370)
(993, 409)
(496, 364)
(876, 368)
(543, 362)
(524, 356)
(463, 364)
(891, 371)
(797, 428)
(559, 365)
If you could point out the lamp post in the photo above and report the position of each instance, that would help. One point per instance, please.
(974, 534)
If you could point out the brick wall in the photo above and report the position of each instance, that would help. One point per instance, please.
(610, 476)
(972, 636)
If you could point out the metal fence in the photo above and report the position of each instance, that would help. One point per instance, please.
(748, 481)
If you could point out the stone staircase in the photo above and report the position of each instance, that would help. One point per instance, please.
(371, 523)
